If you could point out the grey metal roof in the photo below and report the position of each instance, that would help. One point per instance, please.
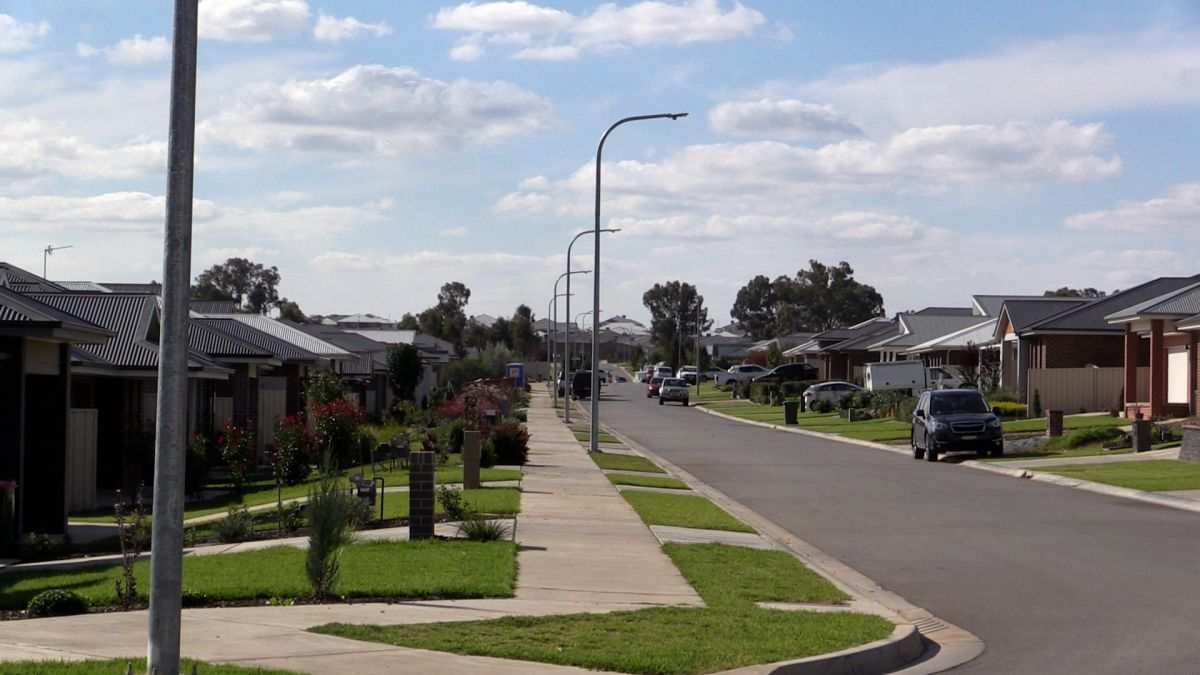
(264, 341)
(20, 310)
(1023, 313)
(946, 311)
(1181, 302)
(153, 287)
(866, 336)
(281, 331)
(83, 286)
(920, 328)
(992, 304)
(1190, 323)
(213, 306)
(212, 341)
(24, 281)
(979, 334)
(1091, 317)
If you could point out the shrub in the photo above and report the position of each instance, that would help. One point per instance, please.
(1006, 395)
(823, 406)
(335, 430)
(56, 602)
(237, 451)
(450, 436)
(906, 407)
(290, 516)
(487, 454)
(1010, 409)
(519, 416)
(511, 444)
(291, 458)
(195, 467)
(452, 503)
(1037, 403)
(477, 528)
(325, 387)
(846, 401)
(330, 509)
(1082, 437)
(237, 525)
(191, 598)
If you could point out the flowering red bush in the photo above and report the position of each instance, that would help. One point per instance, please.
(237, 451)
(293, 452)
(335, 429)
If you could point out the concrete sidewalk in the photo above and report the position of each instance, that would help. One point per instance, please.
(582, 549)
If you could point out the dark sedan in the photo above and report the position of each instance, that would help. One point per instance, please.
(955, 419)
(789, 372)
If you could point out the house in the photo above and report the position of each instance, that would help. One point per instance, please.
(364, 321)
(367, 376)
(840, 353)
(624, 325)
(1013, 321)
(918, 328)
(730, 347)
(1166, 326)
(36, 420)
(435, 353)
(951, 349)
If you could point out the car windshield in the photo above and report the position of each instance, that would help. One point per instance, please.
(957, 404)
(673, 382)
(656, 380)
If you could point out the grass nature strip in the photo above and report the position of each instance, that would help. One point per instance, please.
(430, 569)
(647, 481)
(730, 632)
(111, 666)
(1152, 475)
(656, 508)
(618, 462)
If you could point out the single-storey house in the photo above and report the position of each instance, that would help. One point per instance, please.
(1170, 323)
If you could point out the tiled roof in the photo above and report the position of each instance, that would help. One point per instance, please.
(1182, 302)
(283, 332)
(1091, 317)
(1024, 313)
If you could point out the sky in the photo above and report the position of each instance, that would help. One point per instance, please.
(373, 151)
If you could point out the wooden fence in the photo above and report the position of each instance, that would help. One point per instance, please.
(81, 459)
(1075, 390)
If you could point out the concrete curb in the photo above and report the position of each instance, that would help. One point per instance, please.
(1168, 501)
(904, 645)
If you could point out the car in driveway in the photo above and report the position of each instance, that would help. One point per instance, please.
(688, 374)
(955, 419)
(711, 374)
(673, 389)
(789, 372)
(654, 385)
(739, 373)
(832, 391)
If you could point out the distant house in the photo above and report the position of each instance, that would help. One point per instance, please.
(364, 321)
(367, 375)
(841, 353)
(1168, 327)
(730, 347)
(435, 353)
(915, 329)
(1016, 316)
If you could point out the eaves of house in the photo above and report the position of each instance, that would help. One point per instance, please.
(1092, 317)
(26, 316)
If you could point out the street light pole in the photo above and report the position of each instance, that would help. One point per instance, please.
(567, 341)
(566, 384)
(595, 408)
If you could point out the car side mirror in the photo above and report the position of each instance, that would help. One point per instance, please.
(919, 413)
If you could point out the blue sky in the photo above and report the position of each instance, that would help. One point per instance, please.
(373, 151)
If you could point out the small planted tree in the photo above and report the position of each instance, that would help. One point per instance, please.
(404, 368)
(237, 451)
(335, 429)
(330, 513)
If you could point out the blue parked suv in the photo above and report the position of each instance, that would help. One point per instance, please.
(955, 419)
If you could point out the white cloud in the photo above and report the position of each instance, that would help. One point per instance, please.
(289, 197)
(220, 255)
(376, 109)
(331, 29)
(773, 177)
(468, 49)
(786, 119)
(16, 36)
(251, 20)
(134, 51)
(336, 261)
(1178, 211)
(454, 232)
(563, 36)
(31, 149)
(1068, 77)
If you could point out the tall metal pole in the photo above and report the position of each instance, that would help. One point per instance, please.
(697, 347)
(557, 295)
(595, 408)
(567, 340)
(549, 361)
(166, 555)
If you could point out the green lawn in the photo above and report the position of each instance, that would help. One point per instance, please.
(1154, 475)
(730, 632)
(486, 500)
(424, 569)
(647, 481)
(617, 462)
(602, 437)
(709, 393)
(658, 508)
(1056, 453)
(263, 491)
(116, 666)
(1069, 422)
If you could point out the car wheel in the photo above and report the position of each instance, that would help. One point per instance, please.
(685, 402)
(660, 401)
(918, 453)
(997, 451)
(931, 452)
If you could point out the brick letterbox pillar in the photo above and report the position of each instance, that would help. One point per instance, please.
(470, 457)
(1141, 435)
(1054, 423)
(1190, 450)
(421, 465)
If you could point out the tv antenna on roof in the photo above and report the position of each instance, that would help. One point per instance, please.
(50, 249)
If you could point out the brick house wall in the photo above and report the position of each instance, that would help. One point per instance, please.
(1078, 351)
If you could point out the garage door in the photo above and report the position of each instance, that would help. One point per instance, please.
(1177, 375)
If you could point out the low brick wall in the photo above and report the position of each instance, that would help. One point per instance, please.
(1190, 450)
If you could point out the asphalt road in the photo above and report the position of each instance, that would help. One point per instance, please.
(1053, 580)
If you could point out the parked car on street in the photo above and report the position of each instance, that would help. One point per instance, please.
(746, 371)
(789, 372)
(581, 384)
(673, 389)
(664, 371)
(653, 386)
(829, 391)
(955, 419)
(688, 374)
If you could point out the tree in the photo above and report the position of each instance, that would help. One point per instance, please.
(1065, 292)
(291, 311)
(524, 340)
(477, 336)
(405, 368)
(408, 322)
(501, 333)
(818, 298)
(446, 319)
(249, 284)
(677, 313)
